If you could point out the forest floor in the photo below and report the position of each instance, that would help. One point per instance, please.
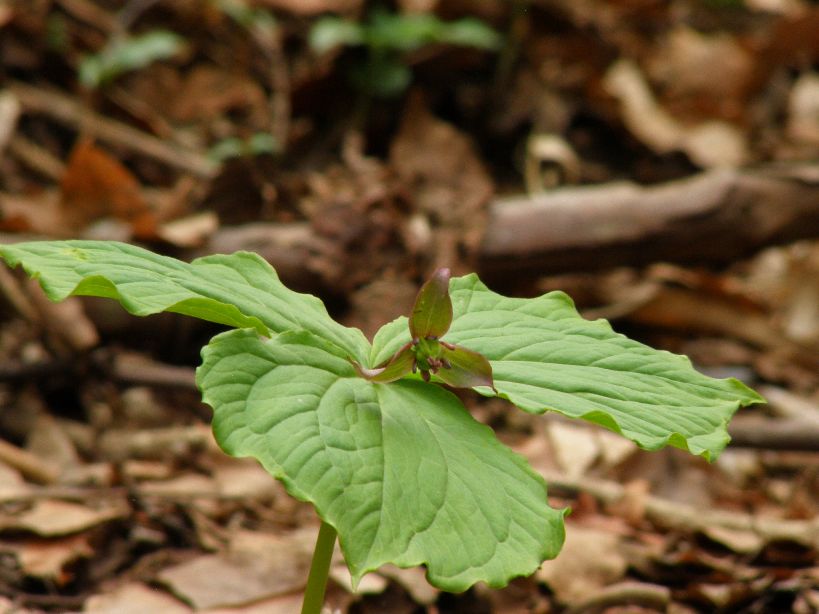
(655, 160)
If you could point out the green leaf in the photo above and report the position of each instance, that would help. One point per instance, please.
(124, 54)
(432, 311)
(402, 471)
(329, 32)
(546, 357)
(397, 367)
(382, 75)
(470, 32)
(240, 290)
(467, 369)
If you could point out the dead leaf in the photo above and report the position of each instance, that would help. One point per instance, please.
(255, 566)
(135, 598)
(190, 231)
(96, 185)
(442, 169)
(47, 558)
(12, 483)
(284, 604)
(37, 213)
(50, 443)
(710, 144)
(703, 75)
(590, 560)
(209, 91)
(50, 518)
(575, 446)
(244, 478)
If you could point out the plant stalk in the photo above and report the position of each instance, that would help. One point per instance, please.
(319, 570)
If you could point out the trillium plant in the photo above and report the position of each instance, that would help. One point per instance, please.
(396, 468)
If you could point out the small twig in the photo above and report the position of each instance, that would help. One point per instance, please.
(62, 108)
(794, 435)
(137, 369)
(36, 157)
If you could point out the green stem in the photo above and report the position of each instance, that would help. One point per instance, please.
(319, 570)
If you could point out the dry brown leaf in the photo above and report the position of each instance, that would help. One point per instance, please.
(37, 213)
(447, 178)
(135, 598)
(243, 478)
(12, 483)
(190, 231)
(590, 560)
(709, 144)
(703, 75)
(7, 605)
(47, 558)
(50, 443)
(575, 446)
(96, 185)
(255, 566)
(284, 604)
(49, 518)
(209, 91)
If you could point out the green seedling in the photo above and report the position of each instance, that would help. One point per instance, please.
(387, 37)
(126, 53)
(233, 147)
(391, 460)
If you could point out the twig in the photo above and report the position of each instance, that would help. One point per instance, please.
(36, 157)
(138, 369)
(62, 108)
(794, 435)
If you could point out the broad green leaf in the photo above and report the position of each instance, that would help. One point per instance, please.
(432, 311)
(546, 357)
(401, 470)
(240, 290)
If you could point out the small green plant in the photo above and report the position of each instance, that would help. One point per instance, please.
(387, 37)
(234, 147)
(125, 53)
(393, 463)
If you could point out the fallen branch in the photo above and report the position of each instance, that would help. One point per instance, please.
(714, 217)
(794, 435)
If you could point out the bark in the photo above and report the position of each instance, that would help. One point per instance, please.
(712, 218)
